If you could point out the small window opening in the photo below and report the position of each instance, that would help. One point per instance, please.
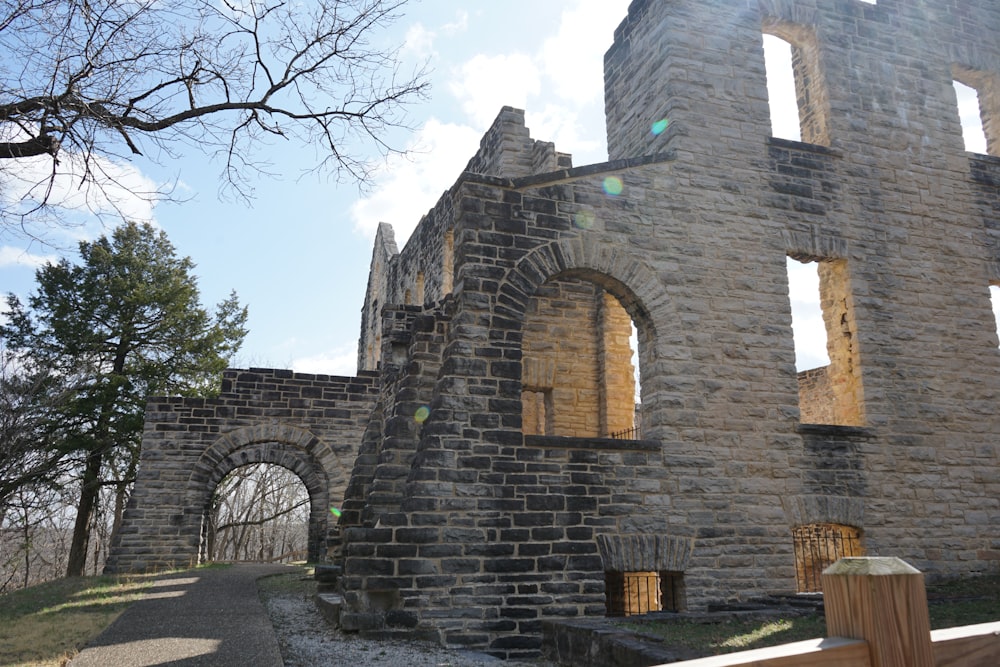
(826, 348)
(631, 593)
(420, 288)
(817, 547)
(969, 112)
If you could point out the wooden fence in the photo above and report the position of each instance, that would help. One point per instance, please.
(876, 616)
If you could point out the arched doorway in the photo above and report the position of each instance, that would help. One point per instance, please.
(295, 450)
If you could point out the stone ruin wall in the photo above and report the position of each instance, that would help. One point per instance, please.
(310, 424)
(489, 529)
(469, 528)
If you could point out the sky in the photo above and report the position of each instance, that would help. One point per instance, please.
(298, 254)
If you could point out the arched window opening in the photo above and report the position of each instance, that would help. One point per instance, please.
(796, 89)
(825, 339)
(817, 547)
(259, 512)
(631, 593)
(577, 374)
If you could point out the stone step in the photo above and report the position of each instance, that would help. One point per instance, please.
(330, 606)
(327, 574)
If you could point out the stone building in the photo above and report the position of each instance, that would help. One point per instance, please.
(496, 481)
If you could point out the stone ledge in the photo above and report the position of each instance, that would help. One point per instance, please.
(836, 430)
(612, 444)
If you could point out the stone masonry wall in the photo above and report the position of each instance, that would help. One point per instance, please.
(311, 424)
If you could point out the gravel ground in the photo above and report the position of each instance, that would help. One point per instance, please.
(307, 640)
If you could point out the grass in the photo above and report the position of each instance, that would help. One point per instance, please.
(46, 625)
(953, 603)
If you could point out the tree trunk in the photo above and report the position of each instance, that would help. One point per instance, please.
(89, 491)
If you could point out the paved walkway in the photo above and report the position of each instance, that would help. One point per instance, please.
(203, 617)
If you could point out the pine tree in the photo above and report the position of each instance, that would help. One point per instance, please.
(125, 324)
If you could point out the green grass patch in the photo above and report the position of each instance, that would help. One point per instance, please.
(966, 601)
(49, 623)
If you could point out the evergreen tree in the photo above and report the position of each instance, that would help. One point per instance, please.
(125, 324)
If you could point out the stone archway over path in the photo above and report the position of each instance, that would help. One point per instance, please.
(310, 424)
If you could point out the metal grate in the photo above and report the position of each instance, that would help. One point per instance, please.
(629, 593)
(819, 545)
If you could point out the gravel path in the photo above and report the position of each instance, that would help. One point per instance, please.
(307, 640)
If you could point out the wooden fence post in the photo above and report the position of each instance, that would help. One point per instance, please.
(883, 601)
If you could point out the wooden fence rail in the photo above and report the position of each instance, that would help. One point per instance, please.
(876, 616)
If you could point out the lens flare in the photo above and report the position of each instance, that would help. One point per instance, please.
(335, 512)
(584, 220)
(422, 413)
(659, 126)
(613, 185)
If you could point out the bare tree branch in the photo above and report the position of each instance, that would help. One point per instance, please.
(105, 80)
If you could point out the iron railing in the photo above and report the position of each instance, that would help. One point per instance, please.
(628, 434)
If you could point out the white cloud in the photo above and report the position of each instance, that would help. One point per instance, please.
(342, 360)
(563, 126)
(573, 58)
(408, 187)
(11, 256)
(459, 25)
(808, 327)
(485, 84)
(117, 190)
(419, 41)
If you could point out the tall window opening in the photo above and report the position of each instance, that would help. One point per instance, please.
(978, 94)
(448, 263)
(259, 512)
(796, 90)
(970, 115)
(817, 547)
(577, 370)
(995, 299)
(781, 88)
(826, 347)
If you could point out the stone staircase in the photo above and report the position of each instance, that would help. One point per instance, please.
(329, 602)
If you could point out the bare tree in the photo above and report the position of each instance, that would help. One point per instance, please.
(260, 512)
(86, 83)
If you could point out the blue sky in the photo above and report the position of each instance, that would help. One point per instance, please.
(298, 254)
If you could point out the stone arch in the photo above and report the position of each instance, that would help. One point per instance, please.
(624, 275)
(296, 449)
